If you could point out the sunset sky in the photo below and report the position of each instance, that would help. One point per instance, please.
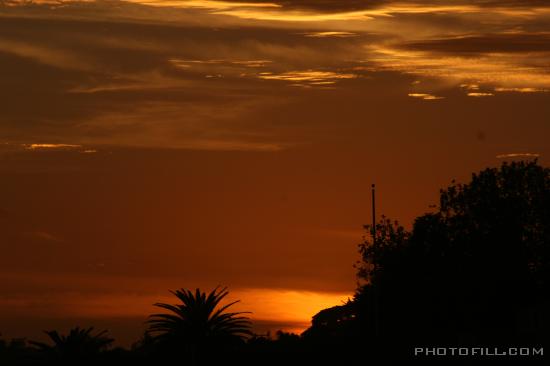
(148, 145)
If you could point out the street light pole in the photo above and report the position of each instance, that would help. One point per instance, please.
(376, 295)
(373, 214)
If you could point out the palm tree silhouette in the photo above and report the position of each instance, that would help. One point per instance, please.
(198, 322)
(78, 344)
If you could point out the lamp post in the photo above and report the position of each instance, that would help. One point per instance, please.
(376, 295)
(373, 188)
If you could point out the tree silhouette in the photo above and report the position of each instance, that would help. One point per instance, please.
(470, 272)
(198, 323)
(78, 345)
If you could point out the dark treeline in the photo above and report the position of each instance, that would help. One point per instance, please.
(473, 273)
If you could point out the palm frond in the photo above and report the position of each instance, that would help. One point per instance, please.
(78, 342)
(198, 318)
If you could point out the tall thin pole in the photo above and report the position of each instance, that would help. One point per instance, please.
(373, 214)
(376, 302)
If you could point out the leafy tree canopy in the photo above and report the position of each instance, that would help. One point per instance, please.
(475, 267)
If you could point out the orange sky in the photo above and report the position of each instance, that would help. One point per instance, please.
(151, 145)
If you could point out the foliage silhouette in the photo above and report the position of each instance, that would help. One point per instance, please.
(16, 352)
(198, 323)
(474, 272)
(78, 345)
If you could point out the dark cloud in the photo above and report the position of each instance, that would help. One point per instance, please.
(352, 5)
(513, 43)
(346, 5)
(511, 3)
(322, 5)
(126, 82)
(113, 9)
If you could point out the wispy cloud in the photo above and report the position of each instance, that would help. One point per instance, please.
(425, 96)
(208, 4)
(517, 155)
(198, 126)
(492, 70)
(43, 146)
(48, 55)
(308, 77)
(521, 90)
(479, 94)
(334, 34)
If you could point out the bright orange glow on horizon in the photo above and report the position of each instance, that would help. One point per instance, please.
(288, 308)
